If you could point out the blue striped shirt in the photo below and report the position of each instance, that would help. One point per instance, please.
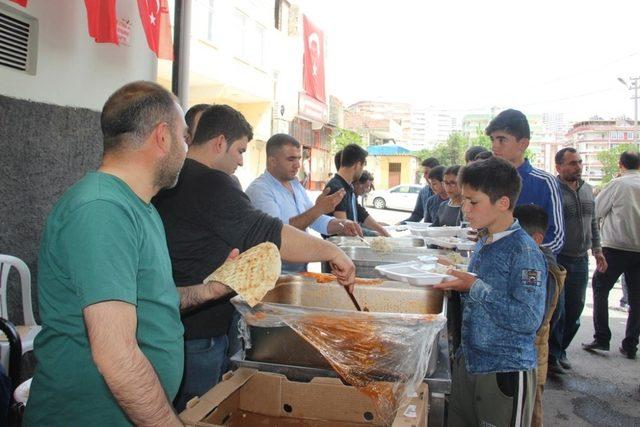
(541, 188)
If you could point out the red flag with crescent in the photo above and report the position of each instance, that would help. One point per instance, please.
(313, 68)
(157, 26)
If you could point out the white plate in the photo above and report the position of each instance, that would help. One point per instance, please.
(451, 243)
(428, 259)
(442, 231)
(418, 225)
(413, 273)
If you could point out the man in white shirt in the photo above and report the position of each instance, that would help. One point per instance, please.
(278, 193)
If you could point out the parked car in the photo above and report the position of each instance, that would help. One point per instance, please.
(400, 197)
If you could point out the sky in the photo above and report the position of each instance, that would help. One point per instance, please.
(468, 56)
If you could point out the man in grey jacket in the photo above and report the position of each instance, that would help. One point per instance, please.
(618, 206)
(580, 223)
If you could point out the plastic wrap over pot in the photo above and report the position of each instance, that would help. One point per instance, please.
(385, 355)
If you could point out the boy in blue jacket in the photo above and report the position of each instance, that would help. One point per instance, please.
(503, 302)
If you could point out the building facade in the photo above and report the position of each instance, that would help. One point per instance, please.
(591, 137)
(248, 54)
(431, 126)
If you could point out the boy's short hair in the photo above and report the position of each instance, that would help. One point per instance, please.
(336, 159)
(630, 160)
(437, 173)
(366, 176)
(472, 152)
(430, 162)
(483, 155)
(532, 218)
(511, 121)
(495, 177)
(352, 154)
(452, 170)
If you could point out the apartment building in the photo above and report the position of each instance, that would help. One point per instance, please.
(590, 137)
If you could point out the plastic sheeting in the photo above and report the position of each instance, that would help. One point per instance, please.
(385, 355)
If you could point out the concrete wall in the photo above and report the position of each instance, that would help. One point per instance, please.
(49, 122)
(45, 148)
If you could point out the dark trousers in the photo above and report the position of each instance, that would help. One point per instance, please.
(566, 319)
(205, 361)
(619, 262)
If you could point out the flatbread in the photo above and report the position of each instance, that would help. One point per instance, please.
(251, 274)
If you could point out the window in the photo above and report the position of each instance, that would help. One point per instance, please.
(257, 54)
(205, 20)
(282, 15)
(240, 34)
(414, 190)
(403, 189)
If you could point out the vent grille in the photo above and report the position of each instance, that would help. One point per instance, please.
(17, 41)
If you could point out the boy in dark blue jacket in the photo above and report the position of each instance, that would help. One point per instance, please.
(503, 302)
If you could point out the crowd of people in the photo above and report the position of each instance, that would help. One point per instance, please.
(130, 333)
(548, 209)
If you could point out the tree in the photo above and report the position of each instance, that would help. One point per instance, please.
(610, 159)
(344, 137)
(481, 139)
(448, 153)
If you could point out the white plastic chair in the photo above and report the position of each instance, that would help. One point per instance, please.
(30, 329)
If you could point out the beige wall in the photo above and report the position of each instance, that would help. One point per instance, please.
(379, 166)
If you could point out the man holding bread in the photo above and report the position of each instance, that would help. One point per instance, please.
(111, 347)
(205, 216)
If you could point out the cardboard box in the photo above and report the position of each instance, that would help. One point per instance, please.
(250, 398)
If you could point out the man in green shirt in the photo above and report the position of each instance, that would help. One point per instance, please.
(111, 351)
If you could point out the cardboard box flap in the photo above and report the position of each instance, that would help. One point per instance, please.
(327, 380)
(203, 405)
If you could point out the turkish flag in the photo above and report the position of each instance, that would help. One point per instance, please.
(157, 26)
(313, 66)
(102, 20)
(22, 3)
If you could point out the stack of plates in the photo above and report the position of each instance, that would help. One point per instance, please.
(415, 273)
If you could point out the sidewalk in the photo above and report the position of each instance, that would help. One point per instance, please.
(602, 387)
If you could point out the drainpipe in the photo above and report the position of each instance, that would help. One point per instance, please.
(181, 51)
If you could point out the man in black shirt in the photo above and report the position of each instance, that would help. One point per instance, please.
(205, 217)
(350, 163)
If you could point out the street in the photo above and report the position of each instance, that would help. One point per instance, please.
(602, 388)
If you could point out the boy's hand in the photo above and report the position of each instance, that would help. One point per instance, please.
(462, 282)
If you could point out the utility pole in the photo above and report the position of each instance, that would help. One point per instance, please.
(633, 85)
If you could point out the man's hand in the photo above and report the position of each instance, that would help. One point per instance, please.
(326, 202)
(233, 254)
(462, 282)
(601, 261)
(349, 228)
(192, 296)
(444, 261)
(344, 270)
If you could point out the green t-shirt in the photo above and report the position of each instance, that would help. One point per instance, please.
(101, 242)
